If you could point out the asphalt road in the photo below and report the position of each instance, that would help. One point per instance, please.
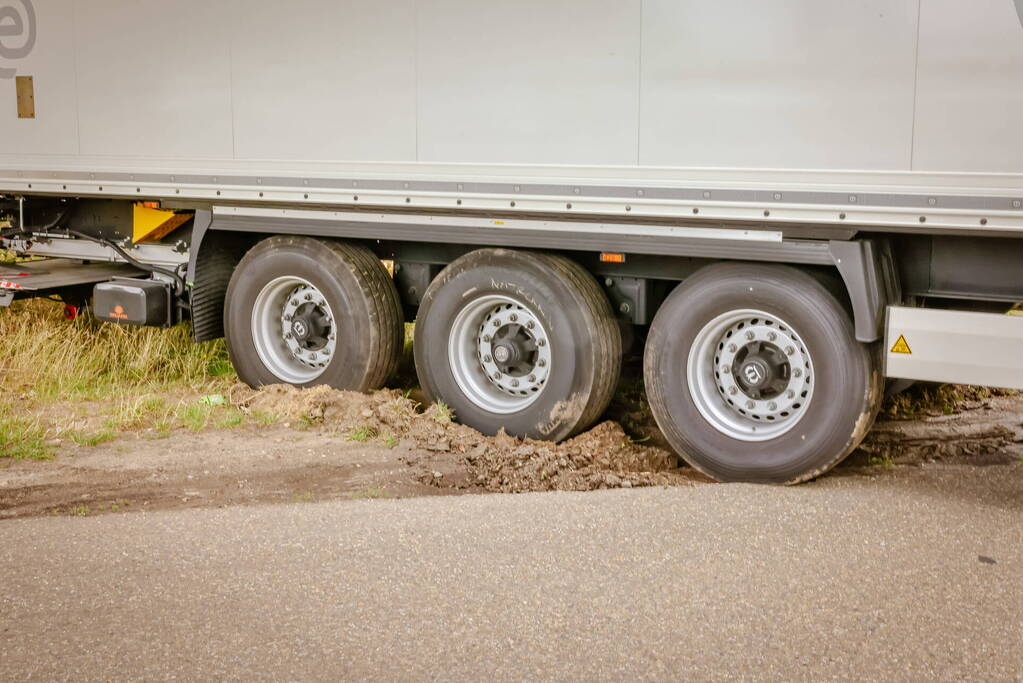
(900, 578)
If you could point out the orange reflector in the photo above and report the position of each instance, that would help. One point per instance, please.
(151, 205)
(606, 257)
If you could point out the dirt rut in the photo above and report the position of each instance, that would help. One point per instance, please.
(322, 444)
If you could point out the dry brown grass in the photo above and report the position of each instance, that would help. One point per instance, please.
(49, 365)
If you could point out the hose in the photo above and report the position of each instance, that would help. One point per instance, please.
(181, 286)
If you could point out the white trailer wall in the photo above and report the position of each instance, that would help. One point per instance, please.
(622, 90)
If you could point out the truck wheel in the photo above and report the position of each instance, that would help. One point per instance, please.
(307, 311)
(754, 374)
(518, 340)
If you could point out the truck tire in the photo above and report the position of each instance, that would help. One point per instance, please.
(307, 311)
(520, 341)
(754, 374)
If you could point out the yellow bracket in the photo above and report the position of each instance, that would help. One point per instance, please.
(150, 225)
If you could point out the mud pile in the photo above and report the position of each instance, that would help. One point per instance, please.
(446, 454)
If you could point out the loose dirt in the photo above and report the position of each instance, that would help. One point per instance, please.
(321, 443)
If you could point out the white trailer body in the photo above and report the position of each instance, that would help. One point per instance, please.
(878, 140)
(815, 99)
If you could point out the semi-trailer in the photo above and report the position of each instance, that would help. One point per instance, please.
(785, 206)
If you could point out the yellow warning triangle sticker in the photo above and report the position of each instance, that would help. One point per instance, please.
(901, 346)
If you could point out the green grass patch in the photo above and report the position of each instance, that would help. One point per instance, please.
(91, 438)
(229, 418)
(195, 416)
(264, 418)
(24, 439)
(362, 434)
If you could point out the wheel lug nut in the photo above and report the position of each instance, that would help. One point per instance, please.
(541, 342)
(308, 297)
(771, 336)
(497, 375)
(542, 363)
(515, 382)
(514, 317)
(497, 323)
(486, 338)
(750, 336)
(750, 405)
(772, 406)
(732, 348)
(789, 350)
(732, 391)
(532, 378)
(790, 394)
(288, 335)
(797, 373)
(288, 317)
(530, 325)
(725, 370)
(487, 359)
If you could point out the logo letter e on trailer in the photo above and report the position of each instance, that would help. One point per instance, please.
(17, 34)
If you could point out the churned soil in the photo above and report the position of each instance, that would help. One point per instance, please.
(321, 444)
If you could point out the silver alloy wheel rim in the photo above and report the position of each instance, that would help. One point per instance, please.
(293, 329)
(750, 375)
(499, 353)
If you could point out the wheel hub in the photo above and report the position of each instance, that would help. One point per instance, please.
(515, 351)
(310, 326)
(294, 329)
(500, 353)
(750, 375)
(761, 370)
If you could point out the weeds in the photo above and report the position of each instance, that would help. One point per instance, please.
(361, 434)
(92, 439)
(194, 416)
(440, 412)
(263, 418)
(232, 418)
(23, 439)
(885, 462)
(389, 440)
(132, 413)
(87, 360)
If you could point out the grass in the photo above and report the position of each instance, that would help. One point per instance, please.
(441, 413)
(264, 418)
(885, 462)
(52, 359)
(231, 417)
(92, 438)
(362, 434)
(23, 438)
(124, 379)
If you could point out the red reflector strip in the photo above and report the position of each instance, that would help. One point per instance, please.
(6, 284)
